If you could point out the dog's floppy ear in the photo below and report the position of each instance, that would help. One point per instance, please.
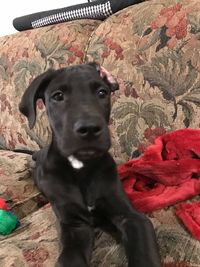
(35, 91)
(106, 76)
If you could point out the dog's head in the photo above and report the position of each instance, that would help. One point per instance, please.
(77, 101)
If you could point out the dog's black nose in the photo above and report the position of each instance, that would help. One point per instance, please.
(87, 129)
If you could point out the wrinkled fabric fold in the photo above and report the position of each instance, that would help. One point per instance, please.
(189, 214)
(167, 173)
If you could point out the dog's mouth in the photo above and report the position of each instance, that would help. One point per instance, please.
(89, 153)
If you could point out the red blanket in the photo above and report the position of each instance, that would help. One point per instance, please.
(189, 213)
(167, 172)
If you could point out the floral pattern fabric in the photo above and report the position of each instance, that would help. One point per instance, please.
(34, 243)
(16, 184)
(154, 51)
(25, 55)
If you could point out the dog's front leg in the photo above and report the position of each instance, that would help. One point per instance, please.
(136, 230)
(77, 242)
(138, 237)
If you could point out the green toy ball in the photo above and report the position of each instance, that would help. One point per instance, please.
(8, 222)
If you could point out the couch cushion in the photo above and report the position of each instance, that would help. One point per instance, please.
(16, 184)
(25, 55)
(33, 244)
(177, 247)
(153, 48)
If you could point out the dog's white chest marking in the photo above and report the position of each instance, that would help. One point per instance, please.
(76, 164)
(91, 208)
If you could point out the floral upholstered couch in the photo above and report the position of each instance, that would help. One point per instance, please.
(153, 49)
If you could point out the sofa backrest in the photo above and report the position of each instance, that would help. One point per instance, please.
(152, 48)
(25, 55)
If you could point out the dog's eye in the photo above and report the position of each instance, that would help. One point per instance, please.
(58, 96)
(102, 92)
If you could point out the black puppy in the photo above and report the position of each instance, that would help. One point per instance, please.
(77, 174)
